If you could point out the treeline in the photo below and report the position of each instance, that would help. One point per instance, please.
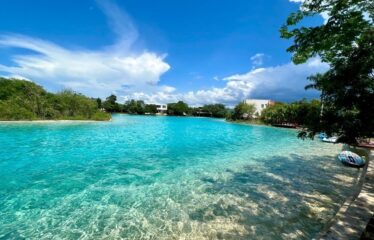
(300, 113)
(242, 111)
(295, 114)
(132, 107)
(179, 108)
(25, 100)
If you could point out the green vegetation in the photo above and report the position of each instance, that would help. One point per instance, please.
(24, 100)
(110, 104)
(134, 107)
(300, 113)
(242, 111)
(296, 114)
(150, 108)
(211, 110)
(130, 107)
(345, 42)
(174, 109)
(178, 109)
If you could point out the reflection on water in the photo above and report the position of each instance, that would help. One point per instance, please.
(166, 178)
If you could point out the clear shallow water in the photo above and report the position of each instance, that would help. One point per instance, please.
(166, 178)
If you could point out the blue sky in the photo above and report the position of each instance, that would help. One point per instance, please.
(160, 51)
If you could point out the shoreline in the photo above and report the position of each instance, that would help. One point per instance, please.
(244, 123)
(52, 121)
(352, 217)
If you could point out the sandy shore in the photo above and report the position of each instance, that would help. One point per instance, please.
(353, 216)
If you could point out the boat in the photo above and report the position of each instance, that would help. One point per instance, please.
(322, 135)
(330, 139)
(351, 159)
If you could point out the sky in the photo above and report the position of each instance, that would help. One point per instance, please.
(161, 51)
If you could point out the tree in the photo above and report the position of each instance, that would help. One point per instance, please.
(215, 110)
(99, 103)
(25, 100)
(345, 42)
(300, 113)
(110, 104)
(150, 108)
(243, 111)
(178, 109)
(135, 107)
(275, 114)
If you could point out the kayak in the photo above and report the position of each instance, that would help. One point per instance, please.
(351, 159)
(322, 135)
(330, 139)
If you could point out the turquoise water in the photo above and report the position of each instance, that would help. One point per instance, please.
(143, 177)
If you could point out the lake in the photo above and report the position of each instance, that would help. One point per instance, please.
(146, 177)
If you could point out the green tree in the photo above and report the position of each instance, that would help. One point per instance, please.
(345, 42)
(275, 114)
(135, 107)
(215, 110)
(150, 108)
(300, 113)
(25, 100)
(111, 105)
(99, 102)
(178, 109)
(243, 111)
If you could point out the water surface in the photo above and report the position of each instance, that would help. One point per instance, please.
(143, 177)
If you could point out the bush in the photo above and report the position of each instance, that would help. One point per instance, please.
(25, 100)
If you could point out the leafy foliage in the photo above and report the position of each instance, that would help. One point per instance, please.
(135, 107)
(150, 108)
(24, 100)
(178, 109)
(243, 111)
(346, 43)
(132, 106)
(298, 113)
(211, 110)
(111, 105)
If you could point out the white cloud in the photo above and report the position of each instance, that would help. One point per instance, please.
(122, 70)
(283, 83)
(257, 59)
(92, 72)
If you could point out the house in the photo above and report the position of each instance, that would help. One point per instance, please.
(162, 108)
(260, 104)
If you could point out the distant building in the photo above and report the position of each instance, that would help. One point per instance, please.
(260, 104)
(162, 108)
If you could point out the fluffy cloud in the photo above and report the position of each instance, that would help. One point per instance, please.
(95, 73)
(283, 83)
(130, 74)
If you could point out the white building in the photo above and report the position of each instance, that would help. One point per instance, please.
(260, 104)
(162, 108)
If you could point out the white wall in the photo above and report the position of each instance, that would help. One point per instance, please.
(260, 104)
(162, 107)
